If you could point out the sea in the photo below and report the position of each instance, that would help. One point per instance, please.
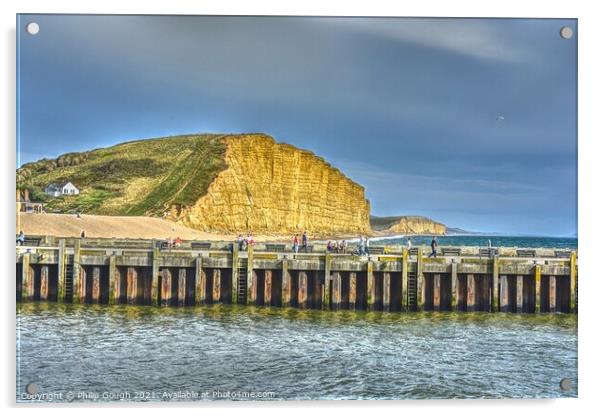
(480, 240)
(116, 354)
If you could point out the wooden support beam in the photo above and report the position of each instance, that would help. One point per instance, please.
(156, 275)
(504, 294)
(95, 284)
(44, 282)
(182, 287)
(495, 301)
(286, 284)
(117, 286)
(267, 288)
(352, 290)
(200, 281)
(235, 268)
(62, 267)
(251, 277)
(386, 291)
(79, 282)
(437, 292)
(404, 279)
(132, 285)
(470, 293)
(113, 289)
(336, 291)
(454, 286)
(370, 286)
(552, 293)
(326, 291)
(537, 279)
(519, 294)
(302, 296)
(166, 287)
(573, 277)
(420, 286)
(216, 292)
(27, 288)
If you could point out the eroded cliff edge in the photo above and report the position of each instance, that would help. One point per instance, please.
(407, 225)
(270, 187)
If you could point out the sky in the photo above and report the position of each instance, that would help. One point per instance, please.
(471, 122)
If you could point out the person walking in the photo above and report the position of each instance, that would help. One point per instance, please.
(367, 246)
(296, 243)
(409, 243)
(433, 248)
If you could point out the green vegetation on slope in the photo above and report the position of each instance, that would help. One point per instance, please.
(142, 177)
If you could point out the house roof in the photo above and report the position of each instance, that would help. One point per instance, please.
(58, 184)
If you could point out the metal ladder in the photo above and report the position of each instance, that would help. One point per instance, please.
(242, 283)
(69, 279)
(412, 291)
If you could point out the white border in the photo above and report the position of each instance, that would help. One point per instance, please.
(590, 23)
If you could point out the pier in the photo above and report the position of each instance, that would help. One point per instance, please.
(392, 279)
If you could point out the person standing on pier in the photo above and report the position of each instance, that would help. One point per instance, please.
(304, 241)
(433, 248)
(409, 243)
(21, 238)
(296, 243)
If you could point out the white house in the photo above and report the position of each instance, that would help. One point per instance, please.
(64, 188)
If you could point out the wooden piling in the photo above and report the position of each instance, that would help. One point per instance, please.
(165, 287)
(62, 267)
(495, 301)
(216, 292)
(132, 285)
(404, 279)
(27, 288)
(156, 275)
(44, 282)
(470, 293)
(326, 290)
(454, 286)
(386, 291)
(251, 277)
(267, 288)
(95, 284)
(519, 294)
(113, 288)
(352, 290)
(182, 287)
(504, 294)
(370, 286)
(552, 294)
(286, 284)
(200, 281)
(537, 279)
(437, 292)
(573, 277)
(302, 296)
(420, 286)
(336, 291)
(79, 284)
(235, 267)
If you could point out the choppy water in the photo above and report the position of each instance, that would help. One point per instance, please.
(292, 354)
(482, 241)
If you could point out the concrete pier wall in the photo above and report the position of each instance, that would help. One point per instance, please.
(74, 271)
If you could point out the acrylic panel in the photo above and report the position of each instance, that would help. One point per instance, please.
(295, 208)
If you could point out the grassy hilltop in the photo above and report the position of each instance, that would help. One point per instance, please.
(142, 177)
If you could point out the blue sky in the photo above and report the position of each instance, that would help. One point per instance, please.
(406, 107)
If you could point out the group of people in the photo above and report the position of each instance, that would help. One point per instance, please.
(244, 242)
(336, 247)
(171, 243)
(303, 245)
(363, 246)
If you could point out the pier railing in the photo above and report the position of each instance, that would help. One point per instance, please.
(108, 271)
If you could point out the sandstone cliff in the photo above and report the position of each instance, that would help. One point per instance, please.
(220, 183)
(407, 225)
(270, 187)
